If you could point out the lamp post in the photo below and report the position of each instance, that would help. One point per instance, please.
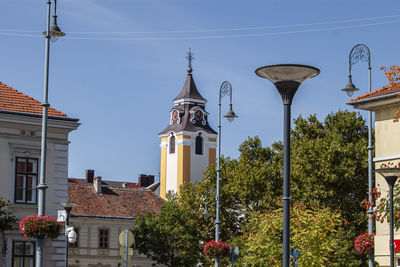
(68, 207)
(287, 79)
(225, 89)
(358, 53)
(51, 32)
(390, 175)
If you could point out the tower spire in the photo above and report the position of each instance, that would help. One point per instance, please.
(190, 59)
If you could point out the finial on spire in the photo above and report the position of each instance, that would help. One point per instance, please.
(190, 58)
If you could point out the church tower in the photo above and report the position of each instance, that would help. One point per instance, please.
(188, 143)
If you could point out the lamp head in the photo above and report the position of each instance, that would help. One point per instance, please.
(230, 115)
(390, 175)
(206, 214)
(350, 87)
(287, 72)
(55, 31)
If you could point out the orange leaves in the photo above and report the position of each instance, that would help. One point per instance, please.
(392, 73)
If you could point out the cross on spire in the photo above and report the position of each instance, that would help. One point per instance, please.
(190, 58)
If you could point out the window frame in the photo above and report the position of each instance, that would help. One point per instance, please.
(102, 242)
(199, 145)
(172, 146)
(24, 186)
(23, 256)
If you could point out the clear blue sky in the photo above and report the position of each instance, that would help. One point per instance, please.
(121, 86)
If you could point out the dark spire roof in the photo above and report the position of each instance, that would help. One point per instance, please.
(189, 89)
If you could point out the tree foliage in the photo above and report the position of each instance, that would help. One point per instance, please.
(315, 237)
(328, 173)
(6, 218)
(171, 237)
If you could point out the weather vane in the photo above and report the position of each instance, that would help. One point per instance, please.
(190, 58)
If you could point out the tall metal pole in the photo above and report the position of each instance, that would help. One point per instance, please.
(287, 89)
(286, 185)
(361, 52)
(391, 185)
(225, 89)
(370, 173)
(391, 175)
(217, 220)
(42, 180)
(287, 79)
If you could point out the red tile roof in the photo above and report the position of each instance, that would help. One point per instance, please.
(115, 201)
(385, 90)
(15, 101)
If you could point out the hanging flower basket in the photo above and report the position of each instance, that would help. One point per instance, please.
(40, 226)
(213, 249)
(364, 244)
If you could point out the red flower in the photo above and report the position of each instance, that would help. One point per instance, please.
(213, 249)
(364, 243)
(40, 226)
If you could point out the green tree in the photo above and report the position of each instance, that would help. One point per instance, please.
(315, 237)
(328, 165)
(6, 218)
(6, 223)
(171, 237)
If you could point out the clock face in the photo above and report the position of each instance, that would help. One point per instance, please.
(199, 114)
(175, 115)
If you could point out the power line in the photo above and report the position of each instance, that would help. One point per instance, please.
(212, 36)
(223, 29)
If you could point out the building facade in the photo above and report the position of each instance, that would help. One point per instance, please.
(104, 210)
(20, 142)
(188, 143)
(385, 103)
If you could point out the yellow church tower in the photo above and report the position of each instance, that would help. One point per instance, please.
(188, 143)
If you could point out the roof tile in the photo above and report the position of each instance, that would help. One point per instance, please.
(385, 90)
(15, 101)
(116, 201)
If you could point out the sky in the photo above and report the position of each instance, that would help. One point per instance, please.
(123, 61)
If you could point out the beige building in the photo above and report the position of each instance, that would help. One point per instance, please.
(20, 140)
(188, 143)
(385, 102)
(104, 210)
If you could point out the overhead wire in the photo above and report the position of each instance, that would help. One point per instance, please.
(23, 33)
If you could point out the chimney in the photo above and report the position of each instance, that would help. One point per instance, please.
(97, 184)
(145, 180)
(89, 176)
(124, 184)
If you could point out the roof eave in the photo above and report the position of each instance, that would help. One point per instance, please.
(39, 115)
(373, 103)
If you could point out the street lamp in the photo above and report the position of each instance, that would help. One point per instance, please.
(50, 32)
(206, 214)
(69, 231)
(225, 89)
(390, 175)
(357, 53)
(287, 79)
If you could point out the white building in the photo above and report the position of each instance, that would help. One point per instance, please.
(20, 139)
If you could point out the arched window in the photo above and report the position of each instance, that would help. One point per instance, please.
(199, 145)
(172, 144)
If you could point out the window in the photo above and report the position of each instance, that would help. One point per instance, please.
(76, 243)
(23, 254)
(172, 144)
(199, 145)
(103, 238)
(26, 172)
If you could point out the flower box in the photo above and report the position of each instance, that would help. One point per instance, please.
(40, 226)
(213, 249)
(364, 244)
